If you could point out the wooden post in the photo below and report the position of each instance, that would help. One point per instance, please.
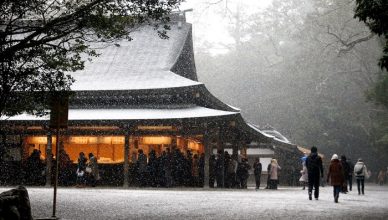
(48, 159)
(208, 149)
(235, 144)
(56, 173)
(58, 119)
(221, 146)
(126, 160)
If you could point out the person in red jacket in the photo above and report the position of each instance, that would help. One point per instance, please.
(335, 176)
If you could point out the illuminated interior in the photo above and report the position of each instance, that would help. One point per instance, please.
(110, 149)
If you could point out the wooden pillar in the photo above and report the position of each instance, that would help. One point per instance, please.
(221, 146)
(235, 145)
(126, 160)
(49, 148)
(208, 150)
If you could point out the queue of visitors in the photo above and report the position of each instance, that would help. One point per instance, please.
(172, 169)
(169, 169)
(86, 174)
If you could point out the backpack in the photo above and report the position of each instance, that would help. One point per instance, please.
(359, 172)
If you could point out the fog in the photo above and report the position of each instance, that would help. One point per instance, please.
(302, 67)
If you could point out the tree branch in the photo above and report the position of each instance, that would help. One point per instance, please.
(347, 46)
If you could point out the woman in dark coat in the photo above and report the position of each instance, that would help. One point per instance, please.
(335, 176)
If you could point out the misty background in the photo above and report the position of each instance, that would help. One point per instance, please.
(303, 67)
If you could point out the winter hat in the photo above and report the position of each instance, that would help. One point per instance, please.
(314, 149)
(334, 157)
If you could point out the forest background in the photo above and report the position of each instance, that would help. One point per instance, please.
(307, 68)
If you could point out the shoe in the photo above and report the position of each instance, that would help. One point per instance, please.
(316, 198)
(310, 197)
(336, 199)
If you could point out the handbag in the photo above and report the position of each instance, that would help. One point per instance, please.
(80, 173)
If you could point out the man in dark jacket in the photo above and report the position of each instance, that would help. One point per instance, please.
(315, 171)
(346, 170)
(350, 175)
(257, 170)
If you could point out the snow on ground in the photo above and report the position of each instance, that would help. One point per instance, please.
(189, 203)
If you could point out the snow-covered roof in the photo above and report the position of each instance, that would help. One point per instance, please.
(143, 63)
(259, 131)
(132, 114)
(277, 135)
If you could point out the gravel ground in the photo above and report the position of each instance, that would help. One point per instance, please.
(189, 203)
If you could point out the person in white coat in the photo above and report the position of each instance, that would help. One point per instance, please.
(304, 176)
(360, 172)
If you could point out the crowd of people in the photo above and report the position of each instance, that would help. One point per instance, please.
(86, 174)
(175, 168)
(171, 168)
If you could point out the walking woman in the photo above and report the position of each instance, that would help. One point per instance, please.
(304, 176)
(335, 176)
(360, 172)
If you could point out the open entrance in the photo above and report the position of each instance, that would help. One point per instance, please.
(109, 151)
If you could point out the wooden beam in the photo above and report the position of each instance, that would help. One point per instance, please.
(48, 159)
(126, 159)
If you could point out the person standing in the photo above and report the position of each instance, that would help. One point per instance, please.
(142, 168)
(212, 170)
(315, 171)
(220, 169)
(346, 170)
(152, 169)
(335, 176)
(81, 168)
(243, 172)
(350, 175)
(268, 175)
(201, 165)
(195, 171)
(360, 172)
(35, 168)
(273, 176)
(94, 173)
(64, 167)
(380, 178)
(257, 167)
(234, 161)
